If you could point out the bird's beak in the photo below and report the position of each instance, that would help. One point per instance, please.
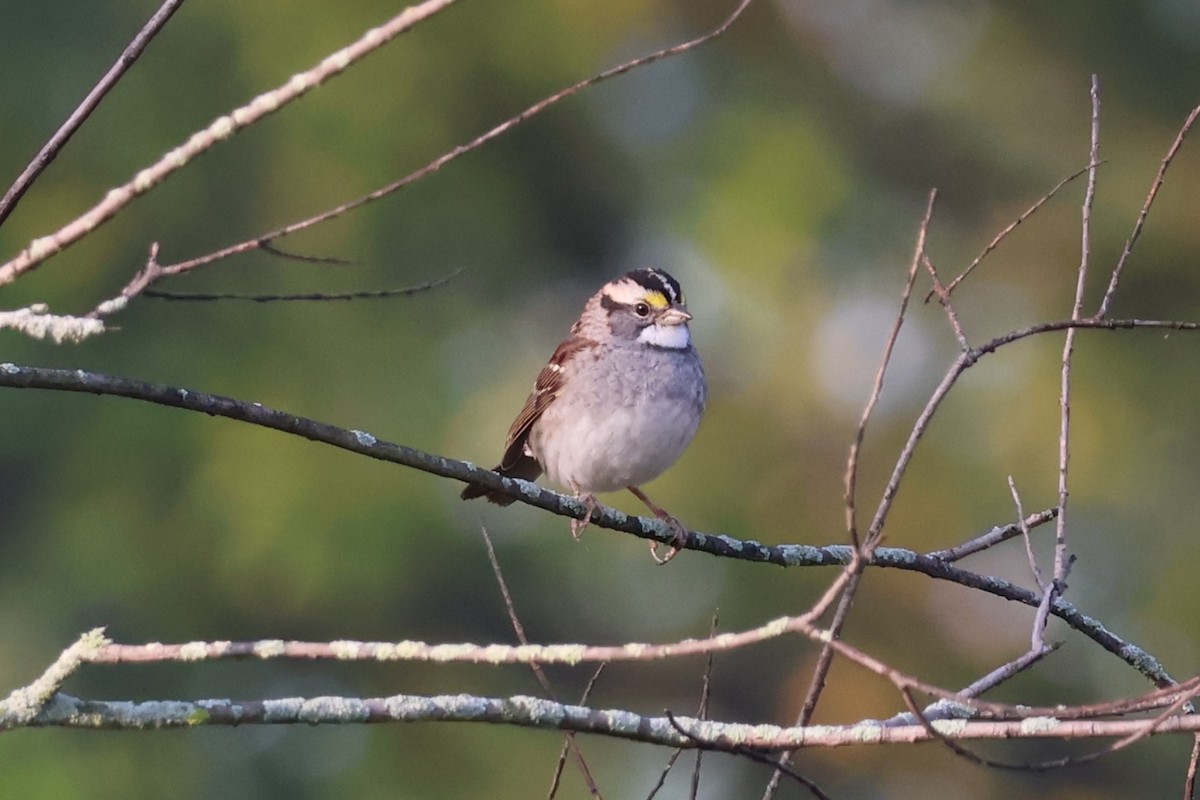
(673, 316)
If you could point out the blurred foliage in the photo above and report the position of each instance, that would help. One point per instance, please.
(780, 173)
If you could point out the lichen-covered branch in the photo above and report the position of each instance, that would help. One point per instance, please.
(532, 712)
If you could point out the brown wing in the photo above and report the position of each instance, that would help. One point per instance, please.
(516, 463)
(548, 386)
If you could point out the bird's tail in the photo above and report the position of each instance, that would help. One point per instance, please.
(526, 468)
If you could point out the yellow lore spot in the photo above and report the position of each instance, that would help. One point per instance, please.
(656, 300)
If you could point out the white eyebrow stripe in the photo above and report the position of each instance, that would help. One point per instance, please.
(626, 291)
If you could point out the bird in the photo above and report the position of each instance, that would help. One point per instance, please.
(617, 404)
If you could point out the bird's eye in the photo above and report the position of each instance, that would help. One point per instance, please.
(642, 310)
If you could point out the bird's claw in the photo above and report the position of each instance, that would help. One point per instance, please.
(578, 526)
(678, 541)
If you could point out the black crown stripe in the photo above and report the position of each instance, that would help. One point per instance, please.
(657, 281)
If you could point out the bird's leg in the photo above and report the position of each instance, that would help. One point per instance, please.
(589, 502)
(681, 533)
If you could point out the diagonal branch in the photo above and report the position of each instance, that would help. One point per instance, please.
(22, 706)
(851, 480)
(51, 148)
(999, 237)
(1115, 279)
(538, 673)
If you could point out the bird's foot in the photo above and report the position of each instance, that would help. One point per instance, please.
(679, 538)
(579, 525)
(678, 542)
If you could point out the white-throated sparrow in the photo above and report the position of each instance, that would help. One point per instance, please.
(618, 403)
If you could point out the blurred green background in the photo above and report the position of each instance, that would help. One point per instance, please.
(780, 174)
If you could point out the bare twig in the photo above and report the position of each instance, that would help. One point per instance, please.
(1062, 561)
(1061, 557)
(944, 299)
(1082, 324)
(701, 713)
(1189, 783)
(568, 742)
(41, 249)
(1106, 303)
(1146, 727)
(538, 672)
(1007, 671)
(995, 242)
(267, 247)
(955, 709)
(877, 388)
(1033, 565)
(820, 673)
(1001, 533)
(51, 148)
(379, 294)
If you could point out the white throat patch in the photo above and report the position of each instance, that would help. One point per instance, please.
(673, 337)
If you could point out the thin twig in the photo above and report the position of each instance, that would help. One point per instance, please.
(1061, 558)
(820, 673)
(1189, 783)
(995, 242)
(568, 741)
(378, 294)
(954, 708)
(267, 247)
(1049, 595)
(1008, 671)
(701, 713)
(944, 299)
(51, 148)
(1151, 725)
(1106, 303)
(1033, 565)
(538, 672)
(851, 481)
(1148, 727)
(998, 534)
(1082, 324)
